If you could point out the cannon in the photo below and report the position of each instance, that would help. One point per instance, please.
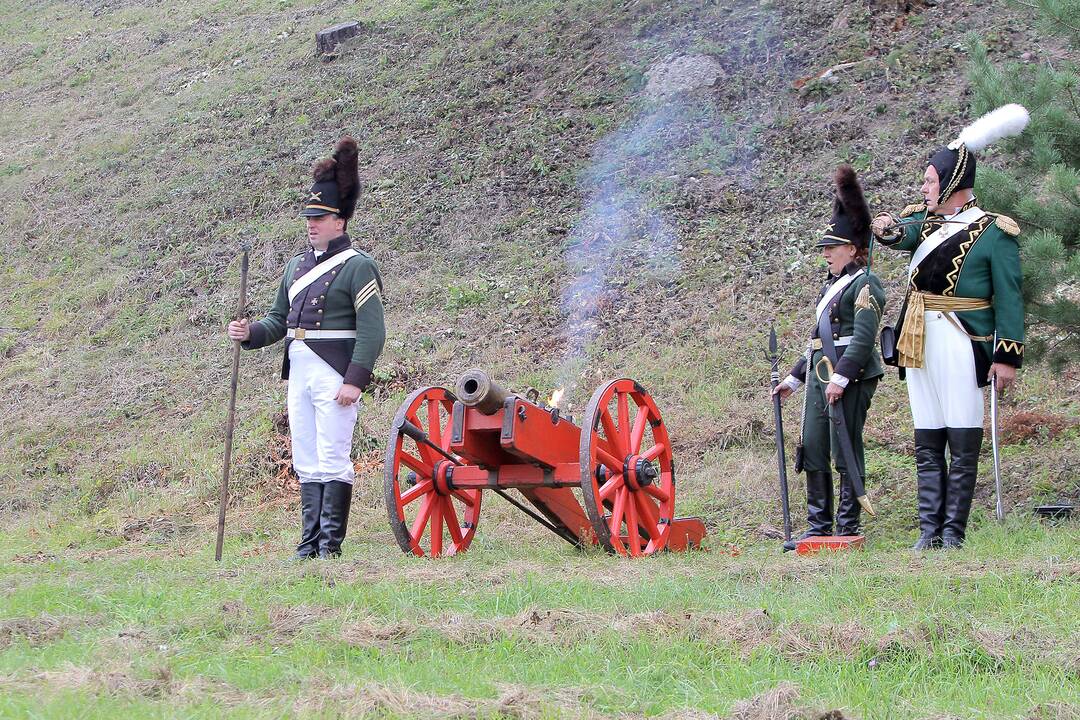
(609, 482)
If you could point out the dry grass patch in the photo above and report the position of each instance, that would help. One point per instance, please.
(286, 621)
(39, 630)
(514, 701)
(103, 682)
(779, 703)
(802, 642)
(370, 633)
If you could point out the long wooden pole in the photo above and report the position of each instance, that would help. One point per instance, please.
(241, 311)
(778, 419)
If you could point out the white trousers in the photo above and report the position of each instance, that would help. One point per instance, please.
(322, 430)
(944, 392)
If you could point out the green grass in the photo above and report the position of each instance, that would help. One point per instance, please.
(985, 632)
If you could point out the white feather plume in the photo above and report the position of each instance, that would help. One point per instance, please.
(1006, 121)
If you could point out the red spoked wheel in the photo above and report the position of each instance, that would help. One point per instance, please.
(427, 516)
(627, 476)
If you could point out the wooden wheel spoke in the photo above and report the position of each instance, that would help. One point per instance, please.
(612, 433)
(647, 512)
(452, 525)
(638, 431)
(657, 492)
(617, 513)
(606, 458)
(415, 492)
(464, 497)
(654, 452)
(434, 428)
(624, 420)
(436, 527)
(418, 466)
(417, 529)
(633, 539)
(611, 486)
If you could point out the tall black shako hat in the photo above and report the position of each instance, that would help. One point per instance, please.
(337, 183)
(850, 223)
(955, 162)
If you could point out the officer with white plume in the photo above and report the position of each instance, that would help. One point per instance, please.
(961, 326)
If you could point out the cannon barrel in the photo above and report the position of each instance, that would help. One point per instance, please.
(476, 389)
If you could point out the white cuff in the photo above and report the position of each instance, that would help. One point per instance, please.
(839, 380)
(793, 382)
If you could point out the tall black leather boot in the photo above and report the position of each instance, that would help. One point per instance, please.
(848, 510)
(311, 502)
(337, 499)
(964, 446)
(931, 470)
(819, 502)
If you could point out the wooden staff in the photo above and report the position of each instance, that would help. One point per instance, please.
(241, 311)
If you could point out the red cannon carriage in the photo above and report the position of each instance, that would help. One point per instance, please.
(446, 448)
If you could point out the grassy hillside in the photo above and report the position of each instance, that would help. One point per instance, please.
(145, 143)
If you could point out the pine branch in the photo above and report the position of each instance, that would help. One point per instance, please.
(1072, 99)
(1057, 18)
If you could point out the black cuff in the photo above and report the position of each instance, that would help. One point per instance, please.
(257, 338)
(798, 370)
(357, 375)
(847, 368)
(1009, 352)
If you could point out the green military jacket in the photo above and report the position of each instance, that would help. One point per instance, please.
(855, 315)
(345, 297)
(979, 260)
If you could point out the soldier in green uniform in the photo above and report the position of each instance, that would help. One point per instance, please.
(963, 292)
(329, 309)
(854, 301)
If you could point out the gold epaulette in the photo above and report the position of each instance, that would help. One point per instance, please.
(912, 209)
(1007, 225)
(863, 300)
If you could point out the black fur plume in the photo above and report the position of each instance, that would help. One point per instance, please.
(347, 175)
(323, 169)
(849, 195)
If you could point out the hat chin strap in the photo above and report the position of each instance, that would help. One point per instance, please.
(959, 170)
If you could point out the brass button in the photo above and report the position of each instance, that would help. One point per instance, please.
(327, 283)
(320, 311)
(836, 336)
(318, 324)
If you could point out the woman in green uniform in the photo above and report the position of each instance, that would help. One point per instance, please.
(849, 308)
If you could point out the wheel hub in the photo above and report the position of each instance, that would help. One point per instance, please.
(639, 472)
(442, 476)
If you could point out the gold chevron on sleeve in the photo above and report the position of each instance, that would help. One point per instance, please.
(366, 293)
(1009, 346)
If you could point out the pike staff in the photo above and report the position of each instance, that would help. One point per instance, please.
(241, 311)
(781, 461)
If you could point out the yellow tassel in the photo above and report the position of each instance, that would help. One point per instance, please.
(909, 346)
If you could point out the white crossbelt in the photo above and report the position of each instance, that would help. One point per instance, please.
(842, 341)
(305, 334)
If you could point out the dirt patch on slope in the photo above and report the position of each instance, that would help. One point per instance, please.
(37, 631)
